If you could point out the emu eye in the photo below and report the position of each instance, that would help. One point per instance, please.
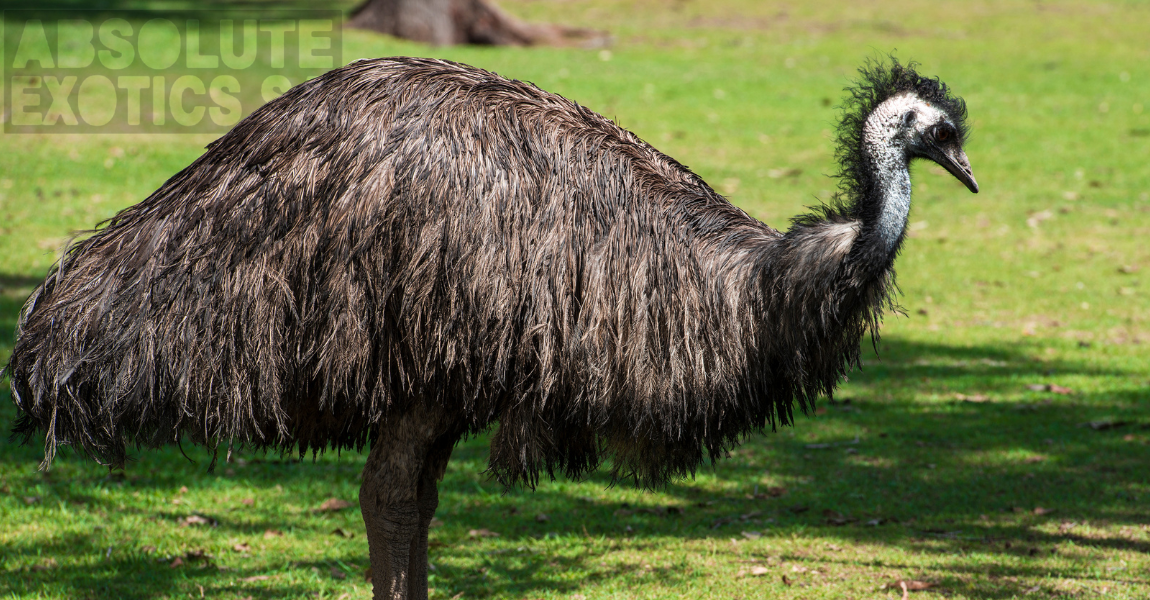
(942, 134)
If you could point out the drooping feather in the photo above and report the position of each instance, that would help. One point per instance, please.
(405, 231)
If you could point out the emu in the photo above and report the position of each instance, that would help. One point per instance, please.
(405, 251)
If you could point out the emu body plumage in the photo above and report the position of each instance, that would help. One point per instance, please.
(405, 251)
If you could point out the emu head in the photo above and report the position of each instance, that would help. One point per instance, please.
(893, 115)
(920, 129)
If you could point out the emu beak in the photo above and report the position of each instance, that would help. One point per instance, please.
(953, 159)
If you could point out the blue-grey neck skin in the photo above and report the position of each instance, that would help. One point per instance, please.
(894, 182)
(887, 136)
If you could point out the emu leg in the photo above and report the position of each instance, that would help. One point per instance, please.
(398, 498)
(387, 500)
(427, 500)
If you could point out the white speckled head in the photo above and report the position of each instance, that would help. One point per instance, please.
(902, 121)
(901, 128)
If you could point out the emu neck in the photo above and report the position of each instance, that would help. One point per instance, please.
(890, 196)
(887, 198)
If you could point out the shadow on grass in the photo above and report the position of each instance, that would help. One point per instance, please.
(14, 290)
(123, 574)
(899, 461)
(19, 282)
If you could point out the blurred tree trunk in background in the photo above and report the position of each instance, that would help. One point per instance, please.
(448, 22)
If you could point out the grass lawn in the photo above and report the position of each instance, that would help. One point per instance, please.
(996, 447)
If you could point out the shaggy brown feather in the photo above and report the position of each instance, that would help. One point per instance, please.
(405, 231)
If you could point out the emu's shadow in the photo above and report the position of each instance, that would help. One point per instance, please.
(945, 435)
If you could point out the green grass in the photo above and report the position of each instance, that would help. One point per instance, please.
(1039, 279)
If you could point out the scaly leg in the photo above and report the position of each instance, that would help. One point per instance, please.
(387, 499)
(427, 500)
(398, 499)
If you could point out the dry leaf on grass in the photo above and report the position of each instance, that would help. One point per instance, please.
(482, 533)
(255, 578)
(1036, 218)
(198, 520)
(752, 535)
(272, 533)
(241, 548)
(1038, 510)
(1049, 387)
(248, 501)
(343, 534)
(755, 571)
(771, 492)
(1037, 458)
(836, 518)
(977, 398)
(908, 586)
(337, 573)
(44, 566)
(333, 504)
(189, 556)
